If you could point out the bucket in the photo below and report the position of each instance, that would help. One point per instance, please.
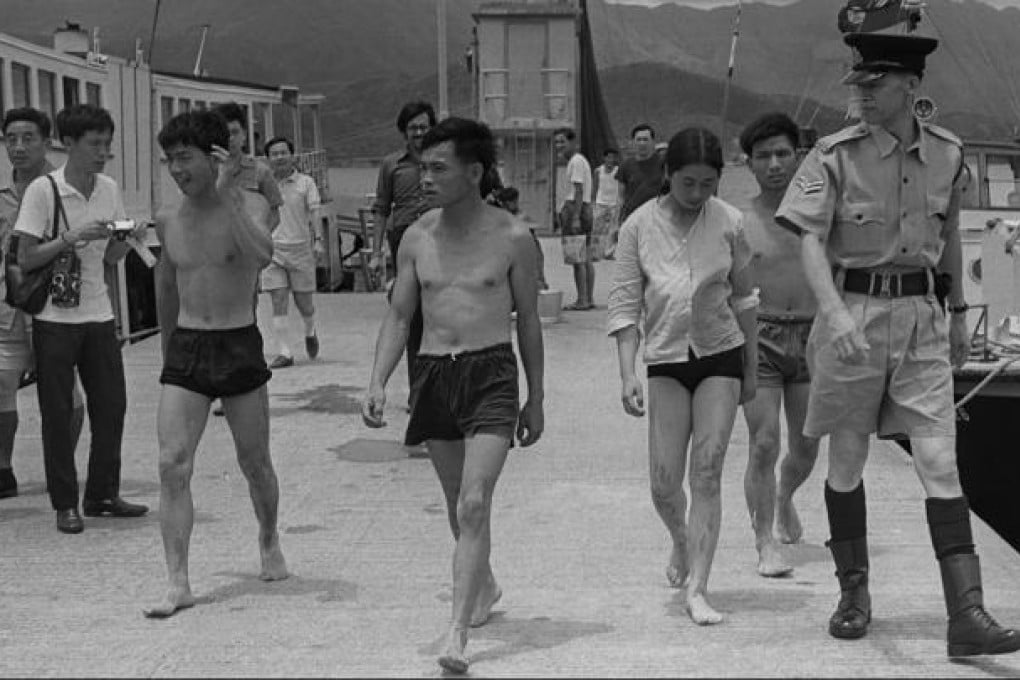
(550, 305)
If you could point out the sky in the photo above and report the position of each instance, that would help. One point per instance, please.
(708, 4)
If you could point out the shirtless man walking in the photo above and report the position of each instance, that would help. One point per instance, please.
(212, 255)
(470, 264)
(784, 321)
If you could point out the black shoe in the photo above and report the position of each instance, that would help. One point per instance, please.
(853, 613)
(69, 521)
(281, 361)
(8, 484)
(312, 345)
(114, 507)
(971, 630)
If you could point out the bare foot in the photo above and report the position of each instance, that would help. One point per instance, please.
(677, 571)
(788, 527)
(274, 567)
(771, 563)
(484, 603)
(176, 599)
(701, 612)
(453, 659)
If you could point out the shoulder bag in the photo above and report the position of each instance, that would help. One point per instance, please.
(28, 290)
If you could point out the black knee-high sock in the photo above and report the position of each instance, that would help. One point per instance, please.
(848, 515)
(949, 524)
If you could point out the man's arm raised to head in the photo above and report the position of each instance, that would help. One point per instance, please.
(524, 288)
(167, 298)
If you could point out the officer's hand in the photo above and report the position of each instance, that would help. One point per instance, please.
(530, 423)
(959, 340)
(372, 408)
(632, 396)
(847, 337)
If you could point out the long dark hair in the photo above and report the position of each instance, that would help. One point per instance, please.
(693, 146)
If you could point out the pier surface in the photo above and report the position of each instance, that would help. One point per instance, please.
(577, 546)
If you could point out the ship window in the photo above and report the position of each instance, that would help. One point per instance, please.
(20, 85)
(166, 110)
(183, 105)
(200, 106)
(48, 96)
(1002, 175)
(71, 92)
(94, 94)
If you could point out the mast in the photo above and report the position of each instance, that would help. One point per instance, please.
(197, 71)
(729, 73)
(444, 108)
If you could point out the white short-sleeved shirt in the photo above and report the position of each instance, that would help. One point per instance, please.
(300, 204)
(36, 219)
(609, 187)
(577, 171)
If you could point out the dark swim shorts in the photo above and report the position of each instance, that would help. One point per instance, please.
(728, 364)
(216, 363)
(458, 395)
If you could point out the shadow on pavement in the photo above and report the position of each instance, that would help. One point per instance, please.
(332, 398)
(517, 636)
(740, 600)
(327, 590)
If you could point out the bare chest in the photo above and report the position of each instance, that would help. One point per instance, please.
(478, 270)
(203, 242)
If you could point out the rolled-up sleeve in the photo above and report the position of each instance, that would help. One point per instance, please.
(626, 296)
(810, 200)
(384, 189)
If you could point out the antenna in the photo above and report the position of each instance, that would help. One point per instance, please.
(152, 35)
(197, 71)
(729, 73)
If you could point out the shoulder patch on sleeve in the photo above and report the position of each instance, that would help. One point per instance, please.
(943, 134)
(847, 134)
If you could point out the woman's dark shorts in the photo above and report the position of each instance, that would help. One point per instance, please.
(455, 396)
(728, 364)
(216, 363)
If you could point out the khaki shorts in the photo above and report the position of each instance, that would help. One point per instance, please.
(782, 351)
(903, 388)
(293, 267)
(15, 346)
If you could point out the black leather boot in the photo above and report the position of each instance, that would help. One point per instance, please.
(971, 629)
(853, 613)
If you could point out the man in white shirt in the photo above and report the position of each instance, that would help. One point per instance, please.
(606, 225)
(80, 333)
(296, 244)
(574, 193)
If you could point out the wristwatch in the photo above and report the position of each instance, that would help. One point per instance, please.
(958, 309)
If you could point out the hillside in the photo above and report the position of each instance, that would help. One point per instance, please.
(367, 56)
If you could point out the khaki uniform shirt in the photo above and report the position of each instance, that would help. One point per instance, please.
(874, 203)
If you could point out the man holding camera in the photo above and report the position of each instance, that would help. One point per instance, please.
(76, 327)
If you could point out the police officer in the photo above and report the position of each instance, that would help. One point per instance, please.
(877, 207)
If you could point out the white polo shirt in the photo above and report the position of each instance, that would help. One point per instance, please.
(36, 219)
(300, 206)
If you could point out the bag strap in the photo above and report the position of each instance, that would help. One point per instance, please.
(58, 209)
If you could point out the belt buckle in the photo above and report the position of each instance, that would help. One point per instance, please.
(885, 288)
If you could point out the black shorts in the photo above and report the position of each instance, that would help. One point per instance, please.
(216, 363)
(455, 396)
(728, 364)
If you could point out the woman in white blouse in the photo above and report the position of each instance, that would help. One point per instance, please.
(682, 281)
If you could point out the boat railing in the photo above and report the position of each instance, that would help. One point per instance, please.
(316, 165)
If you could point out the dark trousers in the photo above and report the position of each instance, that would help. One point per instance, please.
(393, 237)
(94, 349)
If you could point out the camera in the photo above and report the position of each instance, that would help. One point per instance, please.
(121, 228)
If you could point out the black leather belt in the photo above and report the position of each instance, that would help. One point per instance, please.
(886, 284)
